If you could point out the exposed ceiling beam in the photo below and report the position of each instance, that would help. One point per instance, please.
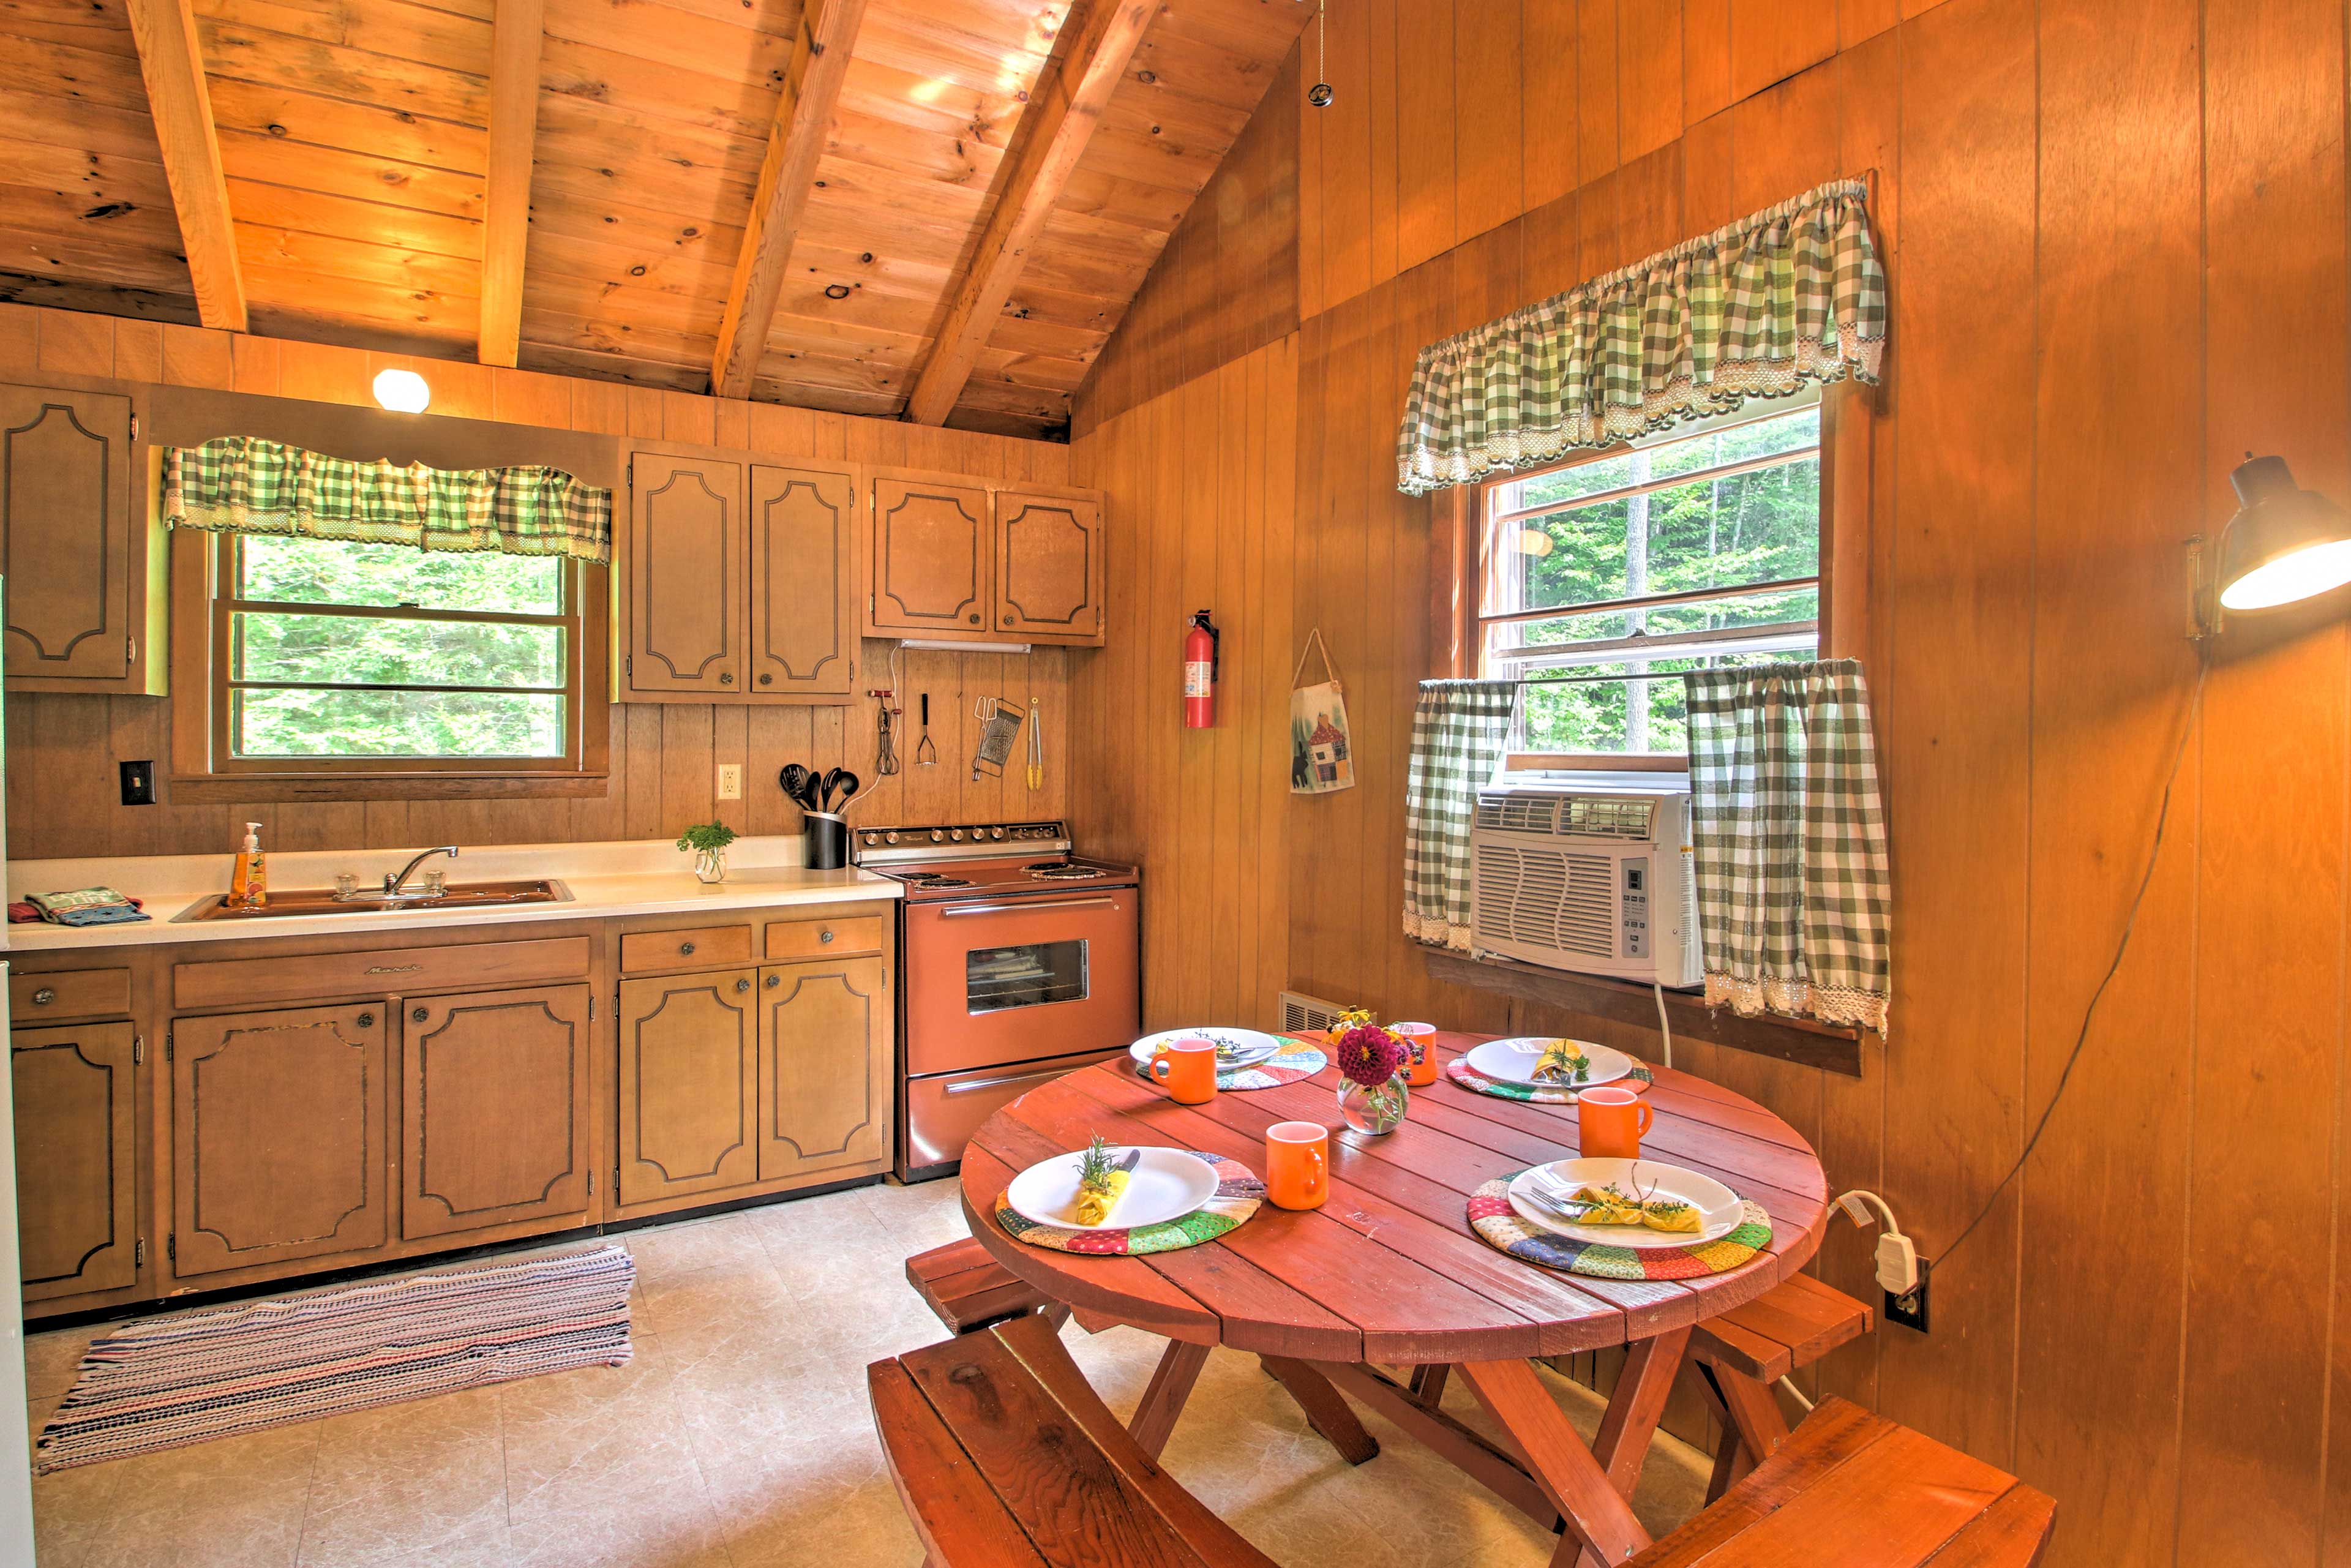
(172, 64)
(515, 30)
(787, 177)
(1064, 107)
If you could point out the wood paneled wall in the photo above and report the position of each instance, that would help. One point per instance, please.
(2115, 242)
(63, 791)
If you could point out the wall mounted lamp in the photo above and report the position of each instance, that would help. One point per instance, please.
(403, 392)
(2285, 545)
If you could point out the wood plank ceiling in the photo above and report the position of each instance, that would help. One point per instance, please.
(356, 151)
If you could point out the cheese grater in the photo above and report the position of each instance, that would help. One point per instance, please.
(1003, 721)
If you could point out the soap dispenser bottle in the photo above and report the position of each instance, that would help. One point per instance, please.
(248, 881)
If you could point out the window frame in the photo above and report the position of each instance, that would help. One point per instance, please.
(1464, 531)
(206, 769)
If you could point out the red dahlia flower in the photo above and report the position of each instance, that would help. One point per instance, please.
(1370, 1056)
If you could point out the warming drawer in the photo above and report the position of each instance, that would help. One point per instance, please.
(939, 1115)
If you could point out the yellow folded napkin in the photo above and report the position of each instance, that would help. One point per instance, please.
(1564, 1062)
(1101, 1184)
(1612, 1205)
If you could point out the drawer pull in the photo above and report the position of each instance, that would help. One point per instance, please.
(418, 1015)
(767, 679)
(367, 1020)
(43, 997)
(393, 968)
(686, 949)
(774, 980)
(824, 936)
(742, 985)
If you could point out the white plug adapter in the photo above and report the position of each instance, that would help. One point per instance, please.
(1897, 1264)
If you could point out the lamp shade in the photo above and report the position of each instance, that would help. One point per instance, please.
(2285, 544)
(403, 392)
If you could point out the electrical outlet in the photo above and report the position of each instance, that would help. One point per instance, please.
(1909, 1309)
(138, 783)
(730, 781)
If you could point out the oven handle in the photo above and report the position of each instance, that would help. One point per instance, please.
(953, 910)
(973, 1086)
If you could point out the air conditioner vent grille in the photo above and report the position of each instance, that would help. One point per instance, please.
(1566, 816)
(1548, 898)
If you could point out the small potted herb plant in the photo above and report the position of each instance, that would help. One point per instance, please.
(708, 840)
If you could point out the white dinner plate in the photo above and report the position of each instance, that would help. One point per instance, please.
(1513, 1061)
(1168, 1183)
(1236, 1047)
(1720, 1210)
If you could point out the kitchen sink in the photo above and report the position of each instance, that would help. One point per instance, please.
(306, 901)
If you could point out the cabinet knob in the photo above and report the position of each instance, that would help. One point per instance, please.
(824, 936)
(417, 1015)
(767, 678)
(367, 1020)
(974, 620)
(742, 985)
(1008, 620)
(726, 677)
(686, 949)
(774, 980)
(43, 997)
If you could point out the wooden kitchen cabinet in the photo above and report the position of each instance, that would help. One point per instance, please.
(962, 560)
(686, 601)
(825, 1048)
(494, 1110)
(803, 606)
(78, 539)
(278, 1123)
(1048, 565)
(77, 1165)
(689, 1084)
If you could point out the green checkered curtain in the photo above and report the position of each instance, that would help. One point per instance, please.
(1793, 891)
(243, 484)
(1791, 295)
(1459, 728)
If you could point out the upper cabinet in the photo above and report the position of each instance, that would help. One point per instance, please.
(957, 558)
(80, 548)
(687, 606)
(803, 599)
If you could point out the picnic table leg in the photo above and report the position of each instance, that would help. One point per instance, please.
(1428, 1381)
(1326, 1412)
(1752, 1414)
(1163, 1401)
(1601, 1528)
(1636, 1406)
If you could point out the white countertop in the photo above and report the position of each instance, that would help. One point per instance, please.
(606, 880)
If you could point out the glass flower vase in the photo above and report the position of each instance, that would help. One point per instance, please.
(1374, 1110)
(710, 865)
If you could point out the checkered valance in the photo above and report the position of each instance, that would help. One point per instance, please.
(1794, 890)
(1791, 295)
(244, 485)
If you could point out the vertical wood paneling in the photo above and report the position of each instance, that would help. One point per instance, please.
(1426, 193)
(1547, 98)
(1490, 131)
(1649, 111)
(1595, 76)
(1771, 41)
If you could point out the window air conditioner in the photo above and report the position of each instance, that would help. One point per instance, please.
(1588, 871)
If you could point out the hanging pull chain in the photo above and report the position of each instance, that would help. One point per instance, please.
(1319, 94)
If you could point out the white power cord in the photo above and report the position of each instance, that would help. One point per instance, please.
(1898, 1257)
(1664, 1024)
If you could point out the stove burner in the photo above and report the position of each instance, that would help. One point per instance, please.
(1063, 871)
(929, 880)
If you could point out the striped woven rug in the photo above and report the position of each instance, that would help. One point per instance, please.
(210, 1374)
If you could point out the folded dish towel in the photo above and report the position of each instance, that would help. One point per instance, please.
(85, 906)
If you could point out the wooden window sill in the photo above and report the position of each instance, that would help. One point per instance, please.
(229, 789)
(1630, 1002)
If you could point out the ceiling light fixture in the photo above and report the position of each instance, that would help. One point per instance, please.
(2285, 545)
(403, 392)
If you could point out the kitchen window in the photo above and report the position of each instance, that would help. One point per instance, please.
(1603, 580)
(331, 660)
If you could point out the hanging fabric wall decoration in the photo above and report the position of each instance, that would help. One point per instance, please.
(1790, 295)
(1321, 749)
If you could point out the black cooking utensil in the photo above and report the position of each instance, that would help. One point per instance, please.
(844, 782)
(800, 784)
(831, 782)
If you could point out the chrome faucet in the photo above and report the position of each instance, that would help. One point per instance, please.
(393, 881)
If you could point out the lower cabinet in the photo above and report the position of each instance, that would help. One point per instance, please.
(689, 1085)
(825, 1043)
(278, 1136)
(494, 1110)
(77, 1163)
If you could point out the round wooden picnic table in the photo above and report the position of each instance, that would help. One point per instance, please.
(1387, 1272)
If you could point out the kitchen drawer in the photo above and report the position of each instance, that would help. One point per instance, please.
(856, 934)
(377, 971)
(76, 994)
(696, 948)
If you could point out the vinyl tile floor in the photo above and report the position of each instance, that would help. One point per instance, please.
(738, 1438)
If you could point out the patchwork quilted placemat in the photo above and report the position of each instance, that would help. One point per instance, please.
(1459, 1071)
(1239, 1193)
(1296, 1060)
(1498, 1225)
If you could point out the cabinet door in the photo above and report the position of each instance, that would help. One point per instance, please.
(1048, 566)
(278, 1136)
(494, 1089)
(77, 1201)
(686, 576)
(803, 555)
(689, 1085)
(825, 1049)
(932, 557)
(64, 507)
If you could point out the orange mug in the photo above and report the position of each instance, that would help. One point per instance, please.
(1420, 1040)
(1610, 1122)
(1188, 1068)
(1298, 1164)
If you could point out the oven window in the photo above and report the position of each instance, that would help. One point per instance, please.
(1028, 975)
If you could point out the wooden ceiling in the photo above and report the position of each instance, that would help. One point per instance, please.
(954, 218)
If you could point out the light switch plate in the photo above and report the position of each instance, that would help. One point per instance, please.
(730, 781)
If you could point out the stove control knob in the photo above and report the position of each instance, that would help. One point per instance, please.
(953, 834)
(938, 837)
(996, 832)
(889, 837)
(872, 838)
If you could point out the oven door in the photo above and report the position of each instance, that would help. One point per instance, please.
(992, 981)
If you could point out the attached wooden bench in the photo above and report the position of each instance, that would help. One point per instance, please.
(1005, 1458)
(969, 1290)
(1852, 1490)
(1742, 1353)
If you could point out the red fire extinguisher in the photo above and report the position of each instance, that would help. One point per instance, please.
(1200, 648)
